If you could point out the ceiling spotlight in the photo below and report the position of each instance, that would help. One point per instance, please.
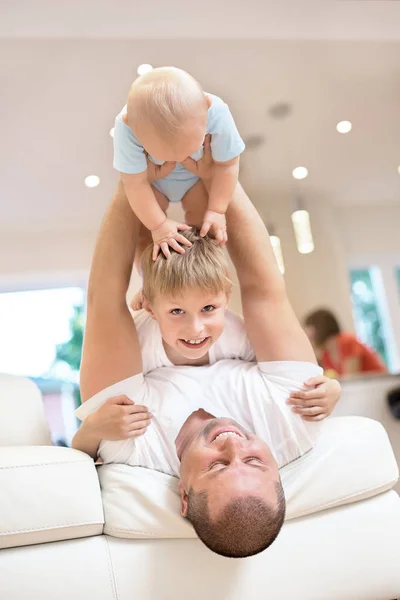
(344, 127)
(302, 230)
(280, 110)
(300, 172)
(398, 169)
(92, 181)
(112, 132)
(142, 69)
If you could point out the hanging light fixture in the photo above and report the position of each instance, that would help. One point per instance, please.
(302, 228)
(277, 248)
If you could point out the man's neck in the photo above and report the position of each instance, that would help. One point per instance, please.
(191, 427)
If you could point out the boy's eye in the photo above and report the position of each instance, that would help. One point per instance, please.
(176, 311)
(208, 308)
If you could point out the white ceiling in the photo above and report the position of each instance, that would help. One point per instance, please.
(205, 19)
(59, 98)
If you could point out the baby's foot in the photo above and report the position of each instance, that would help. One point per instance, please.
(137, 301)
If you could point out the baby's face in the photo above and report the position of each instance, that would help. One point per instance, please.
(189, 140)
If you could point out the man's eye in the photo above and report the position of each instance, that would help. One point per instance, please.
(176, 311)
(253, 459)
(208, 308)
(218, 463)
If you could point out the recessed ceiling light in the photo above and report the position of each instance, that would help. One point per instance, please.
(112, 132)
(142, 69)
(92, 181)
(398, 169)
(344, 126)
(300, 172)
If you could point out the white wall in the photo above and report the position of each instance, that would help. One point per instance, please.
(43, 259)
(318, 279)
(343, 236)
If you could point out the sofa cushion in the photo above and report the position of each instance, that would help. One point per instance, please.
(47, 494)
(353, 460)
(22, 418)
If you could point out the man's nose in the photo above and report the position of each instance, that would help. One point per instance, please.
(232, 445)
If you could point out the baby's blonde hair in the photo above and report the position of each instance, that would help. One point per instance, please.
(166, 99)
(203, 266)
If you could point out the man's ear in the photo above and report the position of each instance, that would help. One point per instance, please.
(147, 307)
(125, 119)
(184, 499)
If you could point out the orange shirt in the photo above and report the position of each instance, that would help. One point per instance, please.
(350, 347)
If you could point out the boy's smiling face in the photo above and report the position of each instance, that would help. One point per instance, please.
(191, 324)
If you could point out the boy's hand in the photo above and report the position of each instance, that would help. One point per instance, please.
(119, 419)
(318, 403)
(167, 235)
(216, 224)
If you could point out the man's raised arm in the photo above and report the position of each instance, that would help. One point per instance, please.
(273, 329)
(111, 349)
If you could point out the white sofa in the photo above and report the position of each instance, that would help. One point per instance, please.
(62, 538)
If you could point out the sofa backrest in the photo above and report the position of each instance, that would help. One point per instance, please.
(22, 418)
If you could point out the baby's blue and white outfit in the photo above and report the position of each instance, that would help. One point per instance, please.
(226, 144)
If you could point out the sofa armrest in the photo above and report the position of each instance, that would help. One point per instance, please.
(47, 494)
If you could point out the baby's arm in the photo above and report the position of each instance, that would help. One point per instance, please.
(222, 186)
(142, 200)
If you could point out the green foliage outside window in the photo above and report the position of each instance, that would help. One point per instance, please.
(71, 351)
(366, 314)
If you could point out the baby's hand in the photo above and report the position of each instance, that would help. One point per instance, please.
(318, 403)
(215, 223)
(167, 234)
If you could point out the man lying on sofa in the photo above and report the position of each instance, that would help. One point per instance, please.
(229, 469)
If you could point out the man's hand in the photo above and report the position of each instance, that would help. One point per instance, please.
(203, 167)
(167, 235)
(215, 223)
(155, 172)
(119, 419)
(318, 403)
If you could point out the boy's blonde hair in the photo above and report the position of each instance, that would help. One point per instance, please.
(203, 266)
(166, 99)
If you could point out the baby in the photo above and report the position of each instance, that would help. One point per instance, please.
(166, 119)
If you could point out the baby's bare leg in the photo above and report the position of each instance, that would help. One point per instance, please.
(195, 203)
(145, 238)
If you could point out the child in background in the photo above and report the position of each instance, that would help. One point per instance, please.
(167, 118)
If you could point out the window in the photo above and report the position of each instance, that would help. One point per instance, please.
(32, 325)
(365, 292)
(41, 337)
(397, 270)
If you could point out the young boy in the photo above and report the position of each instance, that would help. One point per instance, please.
(167, 118)
(186, 321)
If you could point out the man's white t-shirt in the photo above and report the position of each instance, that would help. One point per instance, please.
(233, 342)
(252, 394)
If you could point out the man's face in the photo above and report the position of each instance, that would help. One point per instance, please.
(192, 323)
(227, 461)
